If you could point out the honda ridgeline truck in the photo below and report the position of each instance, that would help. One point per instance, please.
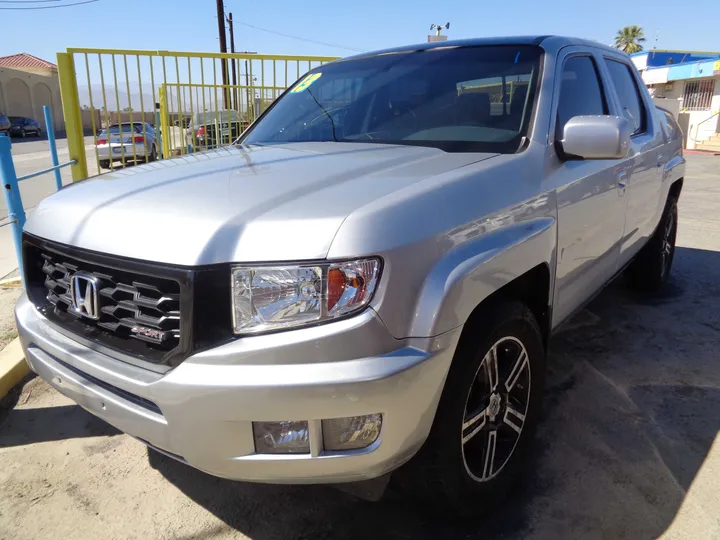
(367, 279)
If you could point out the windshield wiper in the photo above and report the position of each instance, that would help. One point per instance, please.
(332, 122)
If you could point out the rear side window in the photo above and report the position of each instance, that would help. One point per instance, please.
(629, 95)
(581, 91)
(671, 127)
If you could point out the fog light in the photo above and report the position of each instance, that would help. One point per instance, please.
(288, 437)
(351, 433)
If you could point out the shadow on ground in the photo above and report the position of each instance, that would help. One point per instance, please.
(632, 407)
(25, 426)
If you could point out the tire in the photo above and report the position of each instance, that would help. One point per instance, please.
(23, 133)
(104, 164)
(458, 469)
(650, 270)
(38, 133)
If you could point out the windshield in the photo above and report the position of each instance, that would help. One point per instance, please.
(467, 99)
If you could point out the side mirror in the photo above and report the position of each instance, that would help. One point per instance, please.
(595, 137)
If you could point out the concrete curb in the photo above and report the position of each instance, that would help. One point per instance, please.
(11, 282)
(13, 366)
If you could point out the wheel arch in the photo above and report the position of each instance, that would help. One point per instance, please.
(531, 288)
(513, 262)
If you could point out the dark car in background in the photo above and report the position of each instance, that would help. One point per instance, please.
(22, 127)
(214, 128)
(5, 125)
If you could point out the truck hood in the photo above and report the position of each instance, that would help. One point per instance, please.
(235, 204)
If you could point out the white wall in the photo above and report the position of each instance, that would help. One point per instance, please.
(699, 131)
(672, 100)
(672, 105)
(640, 61)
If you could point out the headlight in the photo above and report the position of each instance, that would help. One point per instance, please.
(269, 298)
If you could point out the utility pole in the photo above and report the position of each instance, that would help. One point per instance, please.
(223, 48)
(251, 107)
(232, 50)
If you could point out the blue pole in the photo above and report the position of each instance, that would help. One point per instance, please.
(16, 213)
(53, 147)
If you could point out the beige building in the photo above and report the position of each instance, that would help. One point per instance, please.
(26, 84)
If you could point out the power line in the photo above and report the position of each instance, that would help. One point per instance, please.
(51, 7)
(26, 1)
(300, 38)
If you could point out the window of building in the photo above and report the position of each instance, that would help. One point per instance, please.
(698, 95)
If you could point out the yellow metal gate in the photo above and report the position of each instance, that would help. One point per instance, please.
(159, 96)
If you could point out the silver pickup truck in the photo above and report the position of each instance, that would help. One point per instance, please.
(367, 279)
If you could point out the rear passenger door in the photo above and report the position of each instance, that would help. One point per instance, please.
(590, 201)
(643, 164)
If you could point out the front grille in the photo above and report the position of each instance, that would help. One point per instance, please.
(139, 305)
(146, 311)
(130, 306)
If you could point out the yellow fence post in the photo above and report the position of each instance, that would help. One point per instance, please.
(71, 112)
(164, 123)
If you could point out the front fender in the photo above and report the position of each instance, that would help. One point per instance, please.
(473, 270)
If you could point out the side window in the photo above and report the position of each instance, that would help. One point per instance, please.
(629, 95)
(581, 91)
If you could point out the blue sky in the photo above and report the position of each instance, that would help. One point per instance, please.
(371, 24)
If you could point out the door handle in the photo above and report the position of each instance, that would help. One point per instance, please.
(660, 160)
(622, 181)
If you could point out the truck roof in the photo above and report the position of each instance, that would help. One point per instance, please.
(547, 42)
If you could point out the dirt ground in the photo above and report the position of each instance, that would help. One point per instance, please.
(8, 297)
(628, 449)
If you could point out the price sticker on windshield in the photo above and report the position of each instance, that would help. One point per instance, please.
(305, 83)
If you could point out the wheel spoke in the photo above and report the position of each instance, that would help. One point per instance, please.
(491, 368)
(514, 418)
(474, 425)
(490, 454)
(479, 416)
(520, 363)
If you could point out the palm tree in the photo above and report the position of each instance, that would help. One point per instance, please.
(629, 39)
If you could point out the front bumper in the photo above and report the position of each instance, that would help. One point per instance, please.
(205, 407)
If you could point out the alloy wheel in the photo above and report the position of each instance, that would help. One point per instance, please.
(668, 243)
(495, 409)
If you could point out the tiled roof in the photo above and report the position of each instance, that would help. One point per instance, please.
(25, 60)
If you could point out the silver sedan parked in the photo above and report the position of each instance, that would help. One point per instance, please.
(128, 141)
